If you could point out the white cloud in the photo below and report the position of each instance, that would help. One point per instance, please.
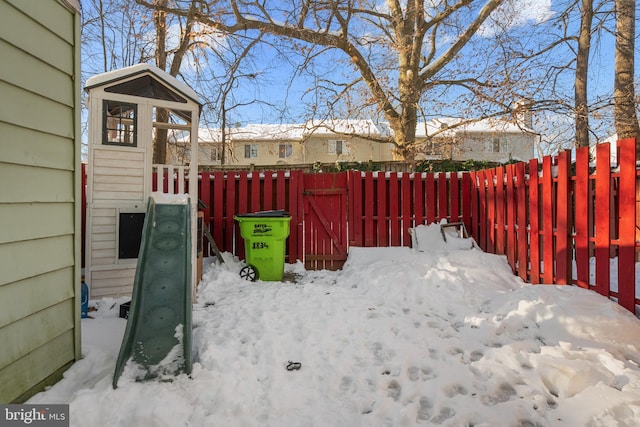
(517, 13)
(537, 11)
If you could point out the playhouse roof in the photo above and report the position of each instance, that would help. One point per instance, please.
(142, 87)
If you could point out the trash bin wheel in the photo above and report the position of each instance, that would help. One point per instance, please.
(249, 273)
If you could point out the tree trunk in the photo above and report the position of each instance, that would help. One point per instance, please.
(582, 73)
(162, 116)
(624, 110)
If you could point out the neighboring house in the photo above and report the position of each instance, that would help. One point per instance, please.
(253, 144)
(495, 140)
(347, 141)
(40, 199)
(295, 144)
(362, 140)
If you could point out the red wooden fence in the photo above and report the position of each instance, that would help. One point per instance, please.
(553, 219)
(550, 219)
(226, 194)
(383, 206)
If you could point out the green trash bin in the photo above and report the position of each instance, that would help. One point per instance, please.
(265, 234)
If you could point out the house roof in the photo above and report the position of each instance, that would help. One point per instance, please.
(255, 132)
(143, 86)
(297, 132)
(349, 127)
(450, 126)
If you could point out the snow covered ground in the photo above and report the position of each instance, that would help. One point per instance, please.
(448, 336)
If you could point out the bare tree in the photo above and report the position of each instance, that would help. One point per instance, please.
(625, 116)
(424, 38)
(561, 57)
(119, 33)
(176, 55)
(113, 35)
(191, 42)
(234, 74)
(582, 74)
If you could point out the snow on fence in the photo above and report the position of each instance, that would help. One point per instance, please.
(561, 220)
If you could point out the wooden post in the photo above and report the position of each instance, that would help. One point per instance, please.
(521, 218)
(369, 227)
(548, 206)
(534, 221)
(490, 176)
(511, 206)
(602, 219)
(563, 252)
(627, 225)
(395, 231)
(582, 212)
(381, 210)
(217, 206)
(500, 211)
(407, 218)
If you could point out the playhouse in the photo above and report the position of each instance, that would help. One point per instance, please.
(131, 111)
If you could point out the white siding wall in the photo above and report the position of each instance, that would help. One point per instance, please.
(118, 175)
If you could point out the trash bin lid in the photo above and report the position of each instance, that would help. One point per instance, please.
(265, 214)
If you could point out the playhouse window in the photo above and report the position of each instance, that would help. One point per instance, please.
(119, 123)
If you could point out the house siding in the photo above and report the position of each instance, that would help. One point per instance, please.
(518, 146)
(268, 153)
(119, 176)
(359, 149)
(319, 145)
(39, 175)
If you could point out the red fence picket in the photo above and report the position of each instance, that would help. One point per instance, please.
(627, 224)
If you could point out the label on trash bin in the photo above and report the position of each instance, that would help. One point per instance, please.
(262, 228)
(259, 245)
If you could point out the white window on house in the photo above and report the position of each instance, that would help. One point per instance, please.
(492, 145)
(285, 150)
(250, 151)
(433, 147)
(337, 146)
(216, 154)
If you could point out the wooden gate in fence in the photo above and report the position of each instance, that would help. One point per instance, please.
(325, 221)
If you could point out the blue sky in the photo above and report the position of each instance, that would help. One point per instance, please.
(277, 84)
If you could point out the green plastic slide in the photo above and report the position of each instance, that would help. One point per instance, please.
(157, 338)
